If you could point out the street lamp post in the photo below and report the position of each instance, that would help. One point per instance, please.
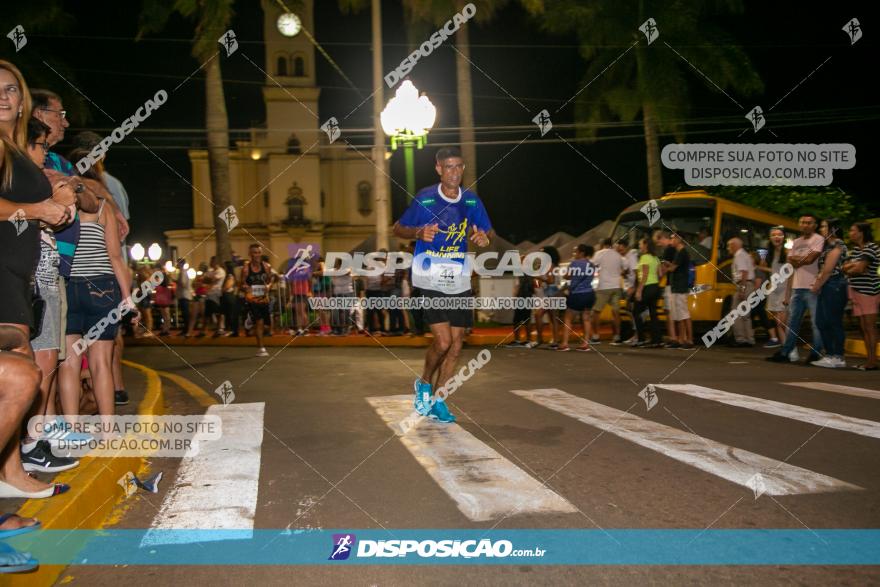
(407, 119)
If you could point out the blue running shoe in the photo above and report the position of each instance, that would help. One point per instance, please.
(423, 397)
(59, 430)
(440, 412)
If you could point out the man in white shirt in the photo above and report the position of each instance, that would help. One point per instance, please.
(611, 268)
(743, 270)
(630, 262)
(804, 257)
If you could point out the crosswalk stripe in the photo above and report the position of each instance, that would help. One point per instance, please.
(216, 489)
(484, 484)
(730, 463)
(834, 388)
(790, 411)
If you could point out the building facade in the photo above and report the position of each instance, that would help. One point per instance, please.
(289, 185)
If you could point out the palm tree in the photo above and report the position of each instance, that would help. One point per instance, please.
(650, 80)
(212, 18)
(438, 12)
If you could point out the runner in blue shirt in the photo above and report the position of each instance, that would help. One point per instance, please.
(442, 218)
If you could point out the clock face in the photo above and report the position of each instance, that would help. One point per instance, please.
(289, 24)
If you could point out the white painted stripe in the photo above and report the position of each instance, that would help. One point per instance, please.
(216, 489)
(484, 484)
(730, 463)
(774, 408)
(845, 389)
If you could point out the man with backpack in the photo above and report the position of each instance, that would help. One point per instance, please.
(678, 276)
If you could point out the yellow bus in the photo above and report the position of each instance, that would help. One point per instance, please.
(705, 223)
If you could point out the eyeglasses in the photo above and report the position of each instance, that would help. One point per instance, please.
(44, 145)
(63, 113)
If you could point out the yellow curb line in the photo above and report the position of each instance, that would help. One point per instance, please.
(197, 393)
(857, 346)
(311, 341)
(91, 483)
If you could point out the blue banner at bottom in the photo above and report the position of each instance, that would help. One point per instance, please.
(458, 547)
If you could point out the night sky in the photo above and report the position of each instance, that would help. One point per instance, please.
(534, 189)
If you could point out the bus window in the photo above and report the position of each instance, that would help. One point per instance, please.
(695, 225)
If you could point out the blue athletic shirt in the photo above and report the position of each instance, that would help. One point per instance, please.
(440, 264)
(582, 272)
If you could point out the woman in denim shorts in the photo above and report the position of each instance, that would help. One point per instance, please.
(99, 282)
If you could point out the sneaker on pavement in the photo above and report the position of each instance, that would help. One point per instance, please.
(840, 363)
(595, 340)
(794, 356)
(616, 340)
(263, 352)
(827, 362)
(773, 343)
(530, 345)
(514, 345)
(812, 357)
(58, 430)
(440, 412)
(120, 397)
(423, 397)
(41, 459)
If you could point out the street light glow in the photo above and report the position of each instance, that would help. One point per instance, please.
(407, 113)
(137, 252)
(155, 252)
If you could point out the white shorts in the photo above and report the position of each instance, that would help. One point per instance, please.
(678, 307)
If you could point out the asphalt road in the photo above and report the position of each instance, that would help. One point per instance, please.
(328, 460)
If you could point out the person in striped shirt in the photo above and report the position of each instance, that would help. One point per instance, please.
(862, 266)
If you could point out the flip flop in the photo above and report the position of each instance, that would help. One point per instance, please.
(864, 368)
(12, 561)
(4, 534)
